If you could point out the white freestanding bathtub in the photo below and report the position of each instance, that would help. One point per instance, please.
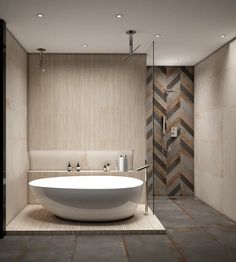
(89, 198)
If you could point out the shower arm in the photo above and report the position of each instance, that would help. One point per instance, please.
(131, 44)
(146, 186)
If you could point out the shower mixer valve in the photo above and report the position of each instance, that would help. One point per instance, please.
(174, 131)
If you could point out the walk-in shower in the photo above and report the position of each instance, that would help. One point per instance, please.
(169, 126)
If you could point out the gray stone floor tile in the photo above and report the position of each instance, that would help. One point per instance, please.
(47, 255)
(150, 248)
(59, 241)
(9, 255)
(202, 213)
(172, 216)
(226, 236)
(197, 246)
(13, 242)
(100, 248)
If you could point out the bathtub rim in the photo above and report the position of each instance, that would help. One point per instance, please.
(33, 183)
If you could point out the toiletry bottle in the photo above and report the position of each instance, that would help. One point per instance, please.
(125, 163)
(121, 163)
(69, 167)
(105, 168)
(78, 167)
(108, 167)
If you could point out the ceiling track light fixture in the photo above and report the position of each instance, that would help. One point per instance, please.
(131, 44)
(41, 59)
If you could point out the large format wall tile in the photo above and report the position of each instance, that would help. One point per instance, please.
(209, 95)
(229, 124)
(207, 189)
(208, 157)
(229, 87)
(215, 125)
(16, 128)
(208, 126)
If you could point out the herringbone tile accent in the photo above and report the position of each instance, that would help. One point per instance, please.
(172, 169)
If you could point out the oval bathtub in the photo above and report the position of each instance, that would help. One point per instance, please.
(89, 198)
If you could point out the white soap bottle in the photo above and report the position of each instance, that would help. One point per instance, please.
(121, 163)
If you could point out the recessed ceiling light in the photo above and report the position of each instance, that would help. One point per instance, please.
(40, 15)
(85, 45)
(119, 15)
(158, 35)
(222, 36)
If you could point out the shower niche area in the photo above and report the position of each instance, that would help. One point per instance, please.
(169, 126)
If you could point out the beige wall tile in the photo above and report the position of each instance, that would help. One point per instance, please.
(209, 189)
(229, 160)
(215, 125)
(229, 124)
(16, 128)
(209, 95)
(16, 121)
(229, 84)
(228, 197)
(208, 126)
(208, 158)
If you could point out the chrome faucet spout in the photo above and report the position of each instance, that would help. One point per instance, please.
(142, 167)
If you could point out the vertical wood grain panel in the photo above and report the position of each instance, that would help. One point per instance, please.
(87, 102)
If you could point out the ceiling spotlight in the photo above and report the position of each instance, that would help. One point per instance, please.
(119, 15)
(40, 15)
(85, 45)
(222, 36)
(158, 35)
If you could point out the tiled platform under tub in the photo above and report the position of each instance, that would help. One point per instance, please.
(34, 219)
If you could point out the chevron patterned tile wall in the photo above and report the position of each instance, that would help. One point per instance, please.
(171, 159)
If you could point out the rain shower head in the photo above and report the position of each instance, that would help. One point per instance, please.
(131, 44)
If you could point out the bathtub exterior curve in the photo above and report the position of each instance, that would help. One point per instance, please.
(89, 198)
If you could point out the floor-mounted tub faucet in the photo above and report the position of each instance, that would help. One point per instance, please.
(146, 186)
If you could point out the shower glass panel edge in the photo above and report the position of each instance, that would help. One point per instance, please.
(149, 92)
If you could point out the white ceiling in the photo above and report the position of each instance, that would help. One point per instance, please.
(189, 28)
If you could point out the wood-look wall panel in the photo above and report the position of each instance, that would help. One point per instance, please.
(87, 102)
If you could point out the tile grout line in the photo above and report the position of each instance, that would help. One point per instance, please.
(181, 256)
(125, 246)
(214, 238)
(75, 241)
(183, 210)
